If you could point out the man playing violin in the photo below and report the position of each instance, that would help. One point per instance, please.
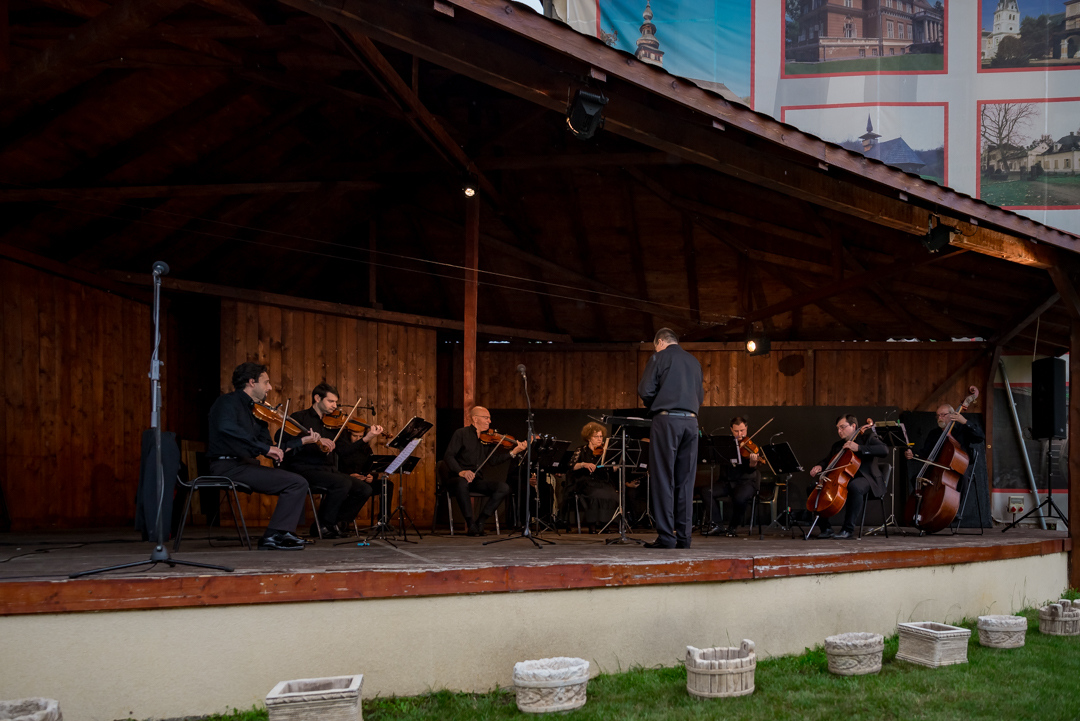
(461, 473)
(343, 495)
(741, 484)
(866, 445)
(237, 438)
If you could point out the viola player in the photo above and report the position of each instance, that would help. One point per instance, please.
(460, 470)
(866, 446)
(740, 482)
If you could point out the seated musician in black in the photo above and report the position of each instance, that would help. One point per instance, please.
(741, 483)
(355, 457)
(867, 446)
(342, 495)
(460, 470)
(966, 432)
(596, 487)
(237, 437)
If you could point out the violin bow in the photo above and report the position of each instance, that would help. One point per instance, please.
(604, 454)
(759, 430)
(347, 419)
(284, 420)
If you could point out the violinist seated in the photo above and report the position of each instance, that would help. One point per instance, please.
(342, 495)
(741, 483)
(866, 445)
(460, 471)
(596, 485)
(355, 457)
(237, 438)
(966, 432)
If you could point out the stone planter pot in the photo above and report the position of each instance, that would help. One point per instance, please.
(1060, 619)
(933, 644)
(30, 709)
(721, 672)
(854, 654)
(335, 698)
(1002, 631)
(551, 684)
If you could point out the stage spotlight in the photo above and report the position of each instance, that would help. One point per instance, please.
(583, 115)
(469, 185)
(760, 345)
(937, 235)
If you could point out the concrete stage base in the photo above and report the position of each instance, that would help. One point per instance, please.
(162, 663)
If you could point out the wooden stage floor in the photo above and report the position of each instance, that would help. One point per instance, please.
(34, 567)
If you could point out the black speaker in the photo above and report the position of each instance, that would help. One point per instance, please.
(1049, 411)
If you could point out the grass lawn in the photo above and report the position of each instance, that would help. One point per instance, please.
(905, 63)
(1059, 190)
(1039, 681)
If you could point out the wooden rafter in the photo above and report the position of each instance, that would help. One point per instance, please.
(181, 191)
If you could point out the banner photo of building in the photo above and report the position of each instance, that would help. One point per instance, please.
(982, 96)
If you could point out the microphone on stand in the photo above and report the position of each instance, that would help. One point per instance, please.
(161, 268)
(521, 369)
(774, 436)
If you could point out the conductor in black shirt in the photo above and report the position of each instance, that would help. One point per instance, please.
(671, 389)
(461, 473)
(237, 437)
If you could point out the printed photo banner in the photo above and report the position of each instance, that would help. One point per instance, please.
(982, 96)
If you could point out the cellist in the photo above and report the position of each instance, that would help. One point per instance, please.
(966, 433)
(866, 445)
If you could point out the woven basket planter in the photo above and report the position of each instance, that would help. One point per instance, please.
(1002, 631)
(721, 672)
(551, 684)
(933, 644)
(335, 698)
(1060, 619)
(30, 709)
(854, 654)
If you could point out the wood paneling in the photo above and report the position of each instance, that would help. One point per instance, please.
(389, 366)
(900, 374)
(76, 400)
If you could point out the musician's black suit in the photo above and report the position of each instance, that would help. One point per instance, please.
(869, 477)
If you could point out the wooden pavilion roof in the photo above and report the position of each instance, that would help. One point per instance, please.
(264, 145)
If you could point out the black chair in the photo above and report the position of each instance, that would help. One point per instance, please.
(886, 474)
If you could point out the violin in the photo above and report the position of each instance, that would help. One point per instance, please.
(830, 492)
(936, 500)
(274, 417)
(748, 448)
(340, 418)
(493, 436)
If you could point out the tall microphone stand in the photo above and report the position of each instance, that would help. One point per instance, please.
(160, 554)
(526, 533)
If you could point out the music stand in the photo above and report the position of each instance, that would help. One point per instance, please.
(894, 433)
(782, 459)
(621, 424)
(717, 450)
(552, 455)
(406, 440)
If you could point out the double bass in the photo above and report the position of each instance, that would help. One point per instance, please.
(936, 500)
(829, 494)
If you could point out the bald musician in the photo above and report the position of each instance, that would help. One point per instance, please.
(461, 474)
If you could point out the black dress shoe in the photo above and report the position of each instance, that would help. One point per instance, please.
(280, 542)
(293, 537)
(328, 532)
(845, 535)
(827, 533)
(731, 532)
(680, 544)
(657, 544)
(475, 531)
(714, 530)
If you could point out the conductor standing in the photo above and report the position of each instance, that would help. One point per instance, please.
(671, 389)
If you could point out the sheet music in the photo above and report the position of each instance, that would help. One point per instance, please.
(403, 456)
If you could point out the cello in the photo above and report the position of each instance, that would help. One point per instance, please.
(829, 494)
(936, 500)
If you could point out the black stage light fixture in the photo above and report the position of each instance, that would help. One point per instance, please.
(758, 345)
(469, 186)
(937, 235)
(583, 116)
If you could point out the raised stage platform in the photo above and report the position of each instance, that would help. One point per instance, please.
(451, 613)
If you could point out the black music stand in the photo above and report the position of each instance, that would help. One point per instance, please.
(978, 503)
(781, 458)
(552, 456)
(406, 440)
(640, 426)
(716, 451)
(894, 433)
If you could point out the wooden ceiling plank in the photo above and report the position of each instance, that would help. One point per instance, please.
(108, 194)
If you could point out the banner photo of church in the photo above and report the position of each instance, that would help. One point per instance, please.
(860, 37)
(910, 137)
(1029, 34)
(1029, 153)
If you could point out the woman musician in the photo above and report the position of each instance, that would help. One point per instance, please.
(866, 445)
(594, 483)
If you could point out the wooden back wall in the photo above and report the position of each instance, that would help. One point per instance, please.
(73, 363)
(389, 366)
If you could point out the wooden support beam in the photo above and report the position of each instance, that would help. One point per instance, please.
(127, 192)
(1074, 455)
(472, 264)
(96, 40)
(575, 160)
